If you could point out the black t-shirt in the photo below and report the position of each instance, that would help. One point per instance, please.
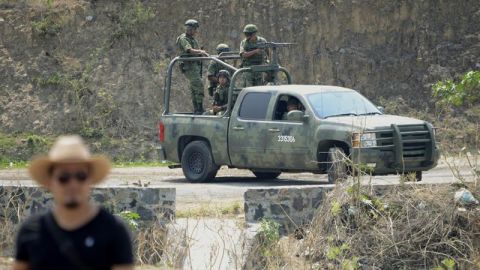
(100, 244)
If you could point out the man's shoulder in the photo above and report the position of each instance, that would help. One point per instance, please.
(33, 224)
(182, 35)
(183, 38)
(261, 39)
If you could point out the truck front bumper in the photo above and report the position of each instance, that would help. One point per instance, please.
(380, 161)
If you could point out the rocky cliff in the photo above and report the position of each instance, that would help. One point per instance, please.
(97, 67)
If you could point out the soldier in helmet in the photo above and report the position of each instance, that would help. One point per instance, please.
(188, 47)
(251, 54)
(220, 102)
(214, 68)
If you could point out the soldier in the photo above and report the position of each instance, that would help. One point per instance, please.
(292, 105)
(188, 47)
(251, 54)
(214, 68)
(220, 102)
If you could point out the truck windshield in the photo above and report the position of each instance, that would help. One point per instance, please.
(346, 103)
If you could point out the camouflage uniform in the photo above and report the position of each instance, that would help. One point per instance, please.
(257, 59)
(192, 70)
(213, 69)
(221, 97)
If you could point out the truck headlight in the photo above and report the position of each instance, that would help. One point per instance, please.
(364, 140)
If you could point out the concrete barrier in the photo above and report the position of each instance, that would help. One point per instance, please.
(152, 204)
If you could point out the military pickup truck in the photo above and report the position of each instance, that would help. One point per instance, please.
(331, 130)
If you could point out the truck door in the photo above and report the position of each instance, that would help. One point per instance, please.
(247, 131)
(289, 143)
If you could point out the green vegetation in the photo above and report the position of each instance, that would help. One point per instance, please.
(50, 23)
(17, 149)
(447, 264)
(463, 93)
(134, 16)
(269, 235)
(130, 219)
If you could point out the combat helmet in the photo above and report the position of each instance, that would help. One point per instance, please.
(224, 73)
(222, 47)
(250, 29)
(192, 23)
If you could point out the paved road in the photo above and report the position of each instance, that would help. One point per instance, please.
(230, 183)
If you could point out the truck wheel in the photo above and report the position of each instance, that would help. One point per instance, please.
(266, 175)
(197, 162)
(337, 167)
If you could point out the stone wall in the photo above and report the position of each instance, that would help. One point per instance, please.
(152, 204)
(290, 207)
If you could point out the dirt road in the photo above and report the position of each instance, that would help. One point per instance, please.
(230, 183)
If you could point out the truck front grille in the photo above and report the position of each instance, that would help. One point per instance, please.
(409, 143)
(415, 141)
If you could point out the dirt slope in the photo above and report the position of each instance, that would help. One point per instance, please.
(97, 67)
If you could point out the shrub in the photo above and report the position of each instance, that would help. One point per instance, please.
(466, 92)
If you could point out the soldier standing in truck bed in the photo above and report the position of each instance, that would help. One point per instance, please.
(214, 68)
(188, 47)
(251, 54)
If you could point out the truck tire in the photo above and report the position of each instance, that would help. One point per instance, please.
(336, 165)
(197, 162)
(266, 175)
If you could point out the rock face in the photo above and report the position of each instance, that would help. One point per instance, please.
(76, 66)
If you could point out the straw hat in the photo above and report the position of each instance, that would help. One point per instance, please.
(69, 149)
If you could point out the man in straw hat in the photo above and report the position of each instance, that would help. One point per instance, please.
(75, 234)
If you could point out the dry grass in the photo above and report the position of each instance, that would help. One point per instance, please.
(409, 227)
(13, 204)
(160, 245)
(212, 210)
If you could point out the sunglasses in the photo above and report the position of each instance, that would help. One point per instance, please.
(65, 177)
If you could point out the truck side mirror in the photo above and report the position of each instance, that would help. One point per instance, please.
(295, 115)
(306, 117)
(381, 109)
